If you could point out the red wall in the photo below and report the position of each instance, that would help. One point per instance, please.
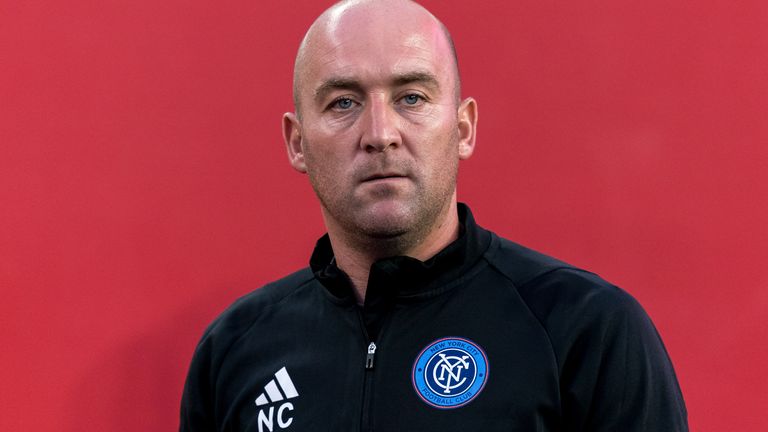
(144, 186)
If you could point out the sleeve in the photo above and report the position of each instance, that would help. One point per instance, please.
(615, 374)
(197, 412)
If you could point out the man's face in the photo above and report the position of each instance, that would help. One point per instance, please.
(379, 127)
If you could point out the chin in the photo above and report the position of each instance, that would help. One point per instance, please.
(385, 226)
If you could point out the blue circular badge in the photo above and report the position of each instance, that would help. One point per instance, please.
(450, 372)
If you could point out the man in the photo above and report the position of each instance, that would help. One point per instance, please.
(411, 317)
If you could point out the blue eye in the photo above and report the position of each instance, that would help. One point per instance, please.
(412, 99)
(343, 103)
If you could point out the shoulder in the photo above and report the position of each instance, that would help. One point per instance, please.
(558, 292)
(245, 311)
(198, 404)
(615, 373)
(576, 308)
(519, 263)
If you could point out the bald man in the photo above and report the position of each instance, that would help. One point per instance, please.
(411, 317)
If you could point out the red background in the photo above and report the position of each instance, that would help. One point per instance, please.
(144, 184)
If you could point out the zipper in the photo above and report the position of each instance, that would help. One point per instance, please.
(370, 355)
(366, 423)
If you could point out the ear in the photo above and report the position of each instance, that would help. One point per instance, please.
(292, 138)
(467, 127)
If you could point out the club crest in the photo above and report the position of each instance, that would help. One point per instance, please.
(450, 372)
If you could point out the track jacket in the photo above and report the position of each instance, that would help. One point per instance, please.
(485, 336)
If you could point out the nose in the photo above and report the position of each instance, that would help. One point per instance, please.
(380, 126)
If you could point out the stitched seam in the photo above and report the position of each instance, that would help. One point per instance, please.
(267, 307)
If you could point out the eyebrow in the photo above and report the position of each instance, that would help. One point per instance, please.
(337, 83)
(427, 79)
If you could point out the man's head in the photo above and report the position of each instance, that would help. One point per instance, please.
(301, 56)
(379, 126)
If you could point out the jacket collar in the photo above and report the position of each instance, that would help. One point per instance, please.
(402, 278)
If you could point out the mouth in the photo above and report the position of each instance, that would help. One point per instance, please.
(383, 177)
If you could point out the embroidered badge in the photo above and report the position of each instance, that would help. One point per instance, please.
(450, 372)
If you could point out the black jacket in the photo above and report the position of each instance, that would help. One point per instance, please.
(485, 336)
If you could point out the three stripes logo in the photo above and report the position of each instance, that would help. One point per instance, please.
(272, 393)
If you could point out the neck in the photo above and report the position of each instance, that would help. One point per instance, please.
(355, 256)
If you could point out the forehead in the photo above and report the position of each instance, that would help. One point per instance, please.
(374, 44)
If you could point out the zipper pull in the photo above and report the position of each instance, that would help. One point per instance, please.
(369, 356)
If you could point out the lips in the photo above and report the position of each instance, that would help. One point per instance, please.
(383, 176)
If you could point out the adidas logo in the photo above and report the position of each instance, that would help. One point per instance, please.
(272, 394)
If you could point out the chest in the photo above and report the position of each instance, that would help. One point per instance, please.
(454, 363)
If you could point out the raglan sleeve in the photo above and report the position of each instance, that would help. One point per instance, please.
(615, 373)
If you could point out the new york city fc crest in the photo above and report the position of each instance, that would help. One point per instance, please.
(450, 372)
